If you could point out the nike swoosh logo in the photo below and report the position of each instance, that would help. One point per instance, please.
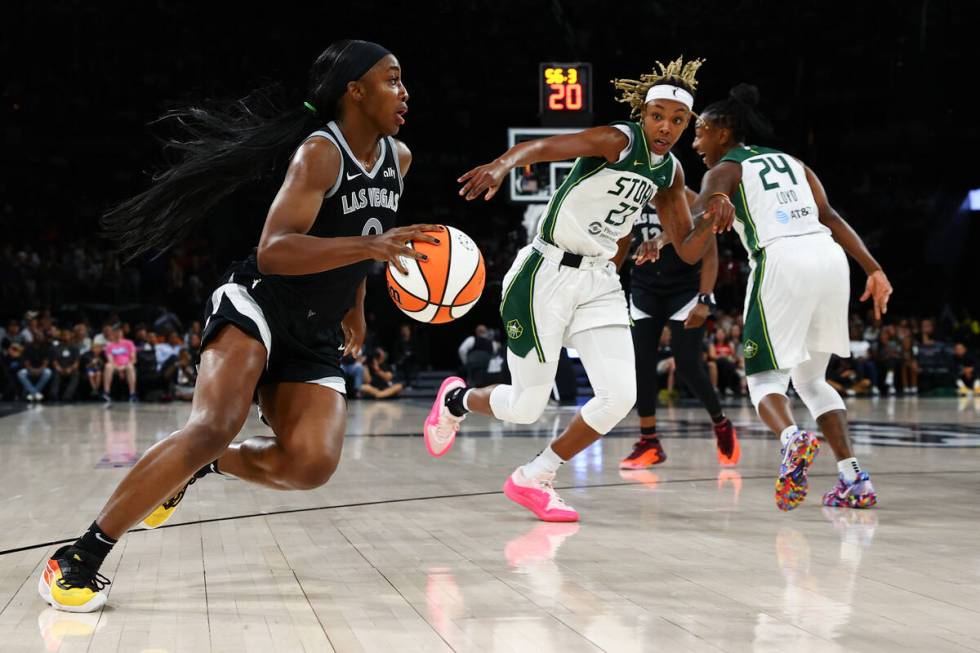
(350, 176)
(102, 539)
(637, 163)
(255, 283)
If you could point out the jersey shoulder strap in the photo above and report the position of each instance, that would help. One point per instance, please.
(740, 153)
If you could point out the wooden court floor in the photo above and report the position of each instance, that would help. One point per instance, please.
(403, 552)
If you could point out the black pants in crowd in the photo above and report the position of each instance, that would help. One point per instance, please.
(63, 386)
(687, 346)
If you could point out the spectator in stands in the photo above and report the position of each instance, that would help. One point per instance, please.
(481, 337)
(889, 356)
(735, 339)
(103, 337)
(845, 379)
(82, 339)
(186, 376)
(12, 362)
(66, 363)
(966, 370)
(861, 361)
(16, 334)
(378, 377)
(910, 365)
(121, 361)
(666, 368)
(405, 353)
(722, 354)
(36, 373)
(94, 362)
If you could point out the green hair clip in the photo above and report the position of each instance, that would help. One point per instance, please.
(310, 107)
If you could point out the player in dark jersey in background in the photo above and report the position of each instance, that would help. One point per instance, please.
(280, 320)
(672, 293)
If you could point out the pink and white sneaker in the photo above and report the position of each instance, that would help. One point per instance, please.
(538, 495)
(441, 426)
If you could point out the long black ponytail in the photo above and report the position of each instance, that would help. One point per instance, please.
(738, 112)
(217, 149)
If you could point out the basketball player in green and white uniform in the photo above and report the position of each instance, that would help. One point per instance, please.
(796, 303)
(563, 289)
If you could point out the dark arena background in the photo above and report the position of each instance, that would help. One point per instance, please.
(400, 552)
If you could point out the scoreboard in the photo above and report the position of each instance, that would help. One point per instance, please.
(565, 91)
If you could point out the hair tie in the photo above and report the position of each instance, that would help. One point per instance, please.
(310, 107)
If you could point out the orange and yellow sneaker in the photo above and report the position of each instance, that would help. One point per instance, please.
(646, 453)
(72, 582)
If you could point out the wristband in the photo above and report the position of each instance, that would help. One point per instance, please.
(707, 300)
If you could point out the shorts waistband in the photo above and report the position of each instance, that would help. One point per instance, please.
(559, 256)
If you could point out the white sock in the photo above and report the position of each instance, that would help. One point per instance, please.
(546, 462)
(849, 469)
(788, 434)
(465, 396)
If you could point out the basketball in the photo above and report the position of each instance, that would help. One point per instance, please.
(444, 287)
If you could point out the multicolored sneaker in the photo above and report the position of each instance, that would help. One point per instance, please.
(859, 494)
(792, 484)
(646, 453)
(165, 510)
(71, 582)
(538, 495)
(441, 426)
(726, 438)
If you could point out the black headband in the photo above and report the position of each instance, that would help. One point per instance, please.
(358, 58)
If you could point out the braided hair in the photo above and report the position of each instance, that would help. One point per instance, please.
(217, 149)
(677, 73)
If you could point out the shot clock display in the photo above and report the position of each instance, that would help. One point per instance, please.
(566, 94)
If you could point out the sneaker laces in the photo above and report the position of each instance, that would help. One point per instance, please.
(639, 447)
(548, 485)
(77, 574)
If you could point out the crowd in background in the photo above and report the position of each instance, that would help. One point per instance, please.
(47, 357)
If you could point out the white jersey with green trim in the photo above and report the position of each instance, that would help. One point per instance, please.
(774, 199)
(596, 204)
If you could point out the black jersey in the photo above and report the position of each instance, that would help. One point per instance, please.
(670, 275)
(361, 203)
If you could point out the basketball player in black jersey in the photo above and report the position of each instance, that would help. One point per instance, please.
(679, 295)
(280, 320)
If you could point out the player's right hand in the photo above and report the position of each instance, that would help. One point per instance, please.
(722, 211)
(487, 177)
(392, 245)
(879, 290)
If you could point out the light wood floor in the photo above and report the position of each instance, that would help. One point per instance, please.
(403, 552)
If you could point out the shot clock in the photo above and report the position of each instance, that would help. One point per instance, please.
(566, 94)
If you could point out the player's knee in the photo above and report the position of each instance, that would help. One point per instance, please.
(609, 407)
(770, 382)
(314, 470)
(206, 440)
(818, 396)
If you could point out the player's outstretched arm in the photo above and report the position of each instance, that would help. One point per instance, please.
(606, 142)
(877, 287)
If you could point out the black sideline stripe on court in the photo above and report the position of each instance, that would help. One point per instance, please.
(382, 502)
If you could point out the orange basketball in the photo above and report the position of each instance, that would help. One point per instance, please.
(445, 286)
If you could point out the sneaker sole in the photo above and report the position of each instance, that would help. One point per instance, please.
(730, 461)
(859, 503)
(791, 489)
(433, 418)
(97, 602)
(519, 499)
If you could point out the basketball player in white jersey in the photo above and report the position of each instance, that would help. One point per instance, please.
(563, 289)
(796, 304)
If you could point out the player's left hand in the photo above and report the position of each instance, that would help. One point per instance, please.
(697, 316)
(649, 250)
(879, 289)
(355, 330)
(721, 209)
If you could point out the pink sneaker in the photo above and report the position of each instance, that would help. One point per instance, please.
(441, 426)
(538, 495)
